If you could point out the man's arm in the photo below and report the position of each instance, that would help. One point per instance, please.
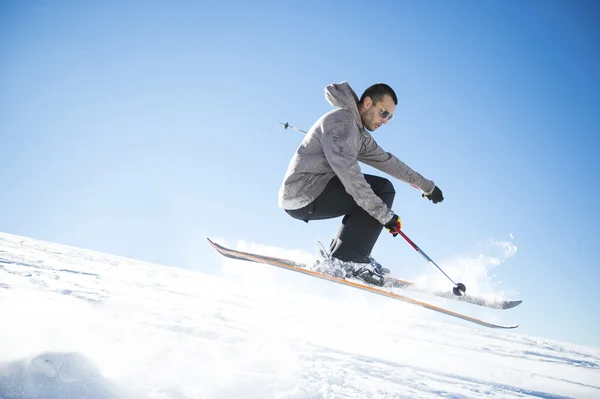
(373, 155)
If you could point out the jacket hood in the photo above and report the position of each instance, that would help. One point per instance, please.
(341, 95)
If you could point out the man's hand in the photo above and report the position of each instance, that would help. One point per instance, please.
(394, 225)
(436, 196)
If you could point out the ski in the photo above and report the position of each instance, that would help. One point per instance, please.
(301, 268)
(475, 300)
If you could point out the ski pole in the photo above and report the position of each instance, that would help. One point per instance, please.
(459, 289)
(286, 125)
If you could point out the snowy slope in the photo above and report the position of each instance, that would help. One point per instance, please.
(80, 324)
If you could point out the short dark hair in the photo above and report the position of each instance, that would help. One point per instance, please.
(377, 92)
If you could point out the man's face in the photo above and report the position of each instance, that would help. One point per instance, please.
(371, 114)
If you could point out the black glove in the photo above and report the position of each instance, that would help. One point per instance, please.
(436, 196)
(394, 225)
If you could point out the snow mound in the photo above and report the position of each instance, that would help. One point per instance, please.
(55, 375)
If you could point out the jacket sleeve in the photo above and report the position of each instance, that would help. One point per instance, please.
(341, 144)
(373, 155)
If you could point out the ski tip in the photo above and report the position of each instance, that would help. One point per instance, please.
(511, 304)
(510, 327)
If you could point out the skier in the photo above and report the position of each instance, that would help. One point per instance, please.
(324, 179)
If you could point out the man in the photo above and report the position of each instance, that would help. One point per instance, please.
(324, 179)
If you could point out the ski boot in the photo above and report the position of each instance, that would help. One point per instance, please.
(371, 273)
(326, 264)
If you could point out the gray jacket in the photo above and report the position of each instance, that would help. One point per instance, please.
(333, 146)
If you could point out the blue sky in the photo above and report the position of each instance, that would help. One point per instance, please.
(140, 128)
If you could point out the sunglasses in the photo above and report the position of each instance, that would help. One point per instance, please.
(384, 112)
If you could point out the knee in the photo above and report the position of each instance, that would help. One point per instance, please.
(387, 192)
(387, 187)
(383, 188)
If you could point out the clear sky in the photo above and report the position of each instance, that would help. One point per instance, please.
(140, 128)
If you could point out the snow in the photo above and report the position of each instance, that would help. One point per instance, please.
(80, 324)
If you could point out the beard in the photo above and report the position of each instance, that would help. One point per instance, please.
(371, 127)
(369, 120)
(373, 124)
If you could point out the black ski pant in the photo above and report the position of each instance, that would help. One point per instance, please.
(359, 231)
